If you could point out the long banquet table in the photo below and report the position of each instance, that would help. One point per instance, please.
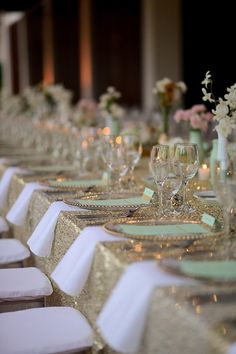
(176, 323)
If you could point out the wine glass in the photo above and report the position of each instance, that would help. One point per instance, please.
(187, 157)
(159, 160)
(133, 150)
(222, 175)
(171, 186)
(114, 156)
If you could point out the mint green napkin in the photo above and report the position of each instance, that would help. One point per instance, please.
(80, 183)
(210, 269)
(159, 230)
(114, 202)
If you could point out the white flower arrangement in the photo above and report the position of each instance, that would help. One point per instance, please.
(169, 92)
(108, 105)
(10, 105)
(85, 113)
(225, 109)
(57, 98)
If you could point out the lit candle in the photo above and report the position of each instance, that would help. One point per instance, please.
(204, 172)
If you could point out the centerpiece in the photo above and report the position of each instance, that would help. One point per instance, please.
(169, 95)
(110, 110)
(84, 113)
(224, 115)
(198, 120)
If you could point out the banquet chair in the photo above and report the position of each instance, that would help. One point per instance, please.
(45, 330)
(4, 227)
(23, 288)
(12, 253)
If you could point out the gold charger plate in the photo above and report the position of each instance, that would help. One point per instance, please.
(161, 230)
(110, 201)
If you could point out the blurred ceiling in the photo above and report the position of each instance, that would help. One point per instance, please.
(17, 5)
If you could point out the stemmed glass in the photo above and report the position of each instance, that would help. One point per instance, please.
(114, 156)
(223, 175)
(159, 160)
(133, 150)
(171, 186)
(187, 157)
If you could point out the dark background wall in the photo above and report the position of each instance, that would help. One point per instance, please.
(208, 30)
(116, 43)
(208, 40)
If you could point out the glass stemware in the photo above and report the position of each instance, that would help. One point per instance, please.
(159, 160)
(114, 156)
(171, 186)
(222, 176)
(134, 149)
(187, 157)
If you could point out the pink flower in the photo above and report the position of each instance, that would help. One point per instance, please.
(197, 116)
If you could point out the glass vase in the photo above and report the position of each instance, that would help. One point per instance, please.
(165, 113)
(113, 124)
(195, 137)
(231, 149)
(222, 147)
(213, 157)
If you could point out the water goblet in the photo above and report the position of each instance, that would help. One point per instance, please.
(114, 157)
(187, 157)
(222, 178)
(159, 160)
(133, 150)
(171, 186)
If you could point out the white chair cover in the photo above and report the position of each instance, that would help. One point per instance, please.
(44, 330)
(12, 250)
(23, 284)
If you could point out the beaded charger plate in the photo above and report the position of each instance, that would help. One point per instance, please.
(214, 270)
(110, 201)
(161, 230)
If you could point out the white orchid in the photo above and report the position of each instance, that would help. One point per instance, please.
(225, 109)
(108, 105)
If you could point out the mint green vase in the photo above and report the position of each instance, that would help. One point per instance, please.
(195, 137)
(114, 125)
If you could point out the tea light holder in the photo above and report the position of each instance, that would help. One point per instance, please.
(203, 172)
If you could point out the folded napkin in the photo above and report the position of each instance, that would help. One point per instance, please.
(3, 225)
(18, 212)
(122, 320)
(40, 242)
(72, 271)
(5, 183)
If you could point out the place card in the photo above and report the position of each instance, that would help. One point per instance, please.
(148, 194)
(209, 219)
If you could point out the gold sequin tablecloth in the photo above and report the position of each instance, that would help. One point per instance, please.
(174, 325)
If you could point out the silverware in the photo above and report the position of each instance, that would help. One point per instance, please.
(131, 212)
(89, 188)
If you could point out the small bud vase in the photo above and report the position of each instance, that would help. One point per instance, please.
(213, 157)
(165, 115)
(222, 147)
(113, 124)
(231, 148)
(195, 137)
